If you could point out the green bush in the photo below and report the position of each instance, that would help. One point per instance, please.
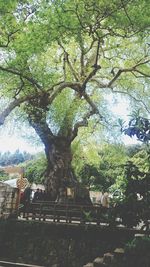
(137, 252)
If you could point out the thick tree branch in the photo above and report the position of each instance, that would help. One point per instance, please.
(10, 108)
(52, 96)
(82, 123)
(41, 127)
(91, 74)
(114, 78)
(75, 86)
(94, 108)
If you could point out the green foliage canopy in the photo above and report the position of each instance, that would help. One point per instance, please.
(82, 48)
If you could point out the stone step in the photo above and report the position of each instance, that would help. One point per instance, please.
(118, 253)
(90, 264)
(99, 262)
(108, 258)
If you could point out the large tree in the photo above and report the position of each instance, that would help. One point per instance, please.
(57, 60)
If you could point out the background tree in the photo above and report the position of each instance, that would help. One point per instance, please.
(35, 169)
(101, 168)
(8, 158)
(139, 126)
(56, 64)
(3, 176)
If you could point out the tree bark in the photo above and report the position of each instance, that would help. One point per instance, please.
(59, 175)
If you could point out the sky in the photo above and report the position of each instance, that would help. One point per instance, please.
(121, 108)
(12, 143)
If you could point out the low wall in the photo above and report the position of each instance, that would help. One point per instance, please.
(57, 245)
(8, 200)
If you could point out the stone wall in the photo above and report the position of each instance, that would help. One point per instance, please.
(57, 245)
(8, 200)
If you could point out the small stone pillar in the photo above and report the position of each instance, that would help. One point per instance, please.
(8, 196)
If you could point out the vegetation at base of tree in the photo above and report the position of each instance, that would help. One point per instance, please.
(135, 204)
(137, 252)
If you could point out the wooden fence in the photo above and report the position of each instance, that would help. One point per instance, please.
(46, 210)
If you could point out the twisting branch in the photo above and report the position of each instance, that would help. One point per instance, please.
(114, 78)
(8, 39)
(38, 122)
(97, 53)
(132, 70)
(84, 121)
(91, 74)
(20, 88)
(125, 10)
(82, 56)
(74, 73)
(59, 87)
(132, 97)
(96, 67)
(50, 98)
(98, 83)
(64, 67)
(18, 73)
(67, 124)
(91, 45)
(66, 59)
(94, 108)
(143, 74)
(11, 106)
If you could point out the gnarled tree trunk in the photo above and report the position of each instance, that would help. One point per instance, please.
(59, 175)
